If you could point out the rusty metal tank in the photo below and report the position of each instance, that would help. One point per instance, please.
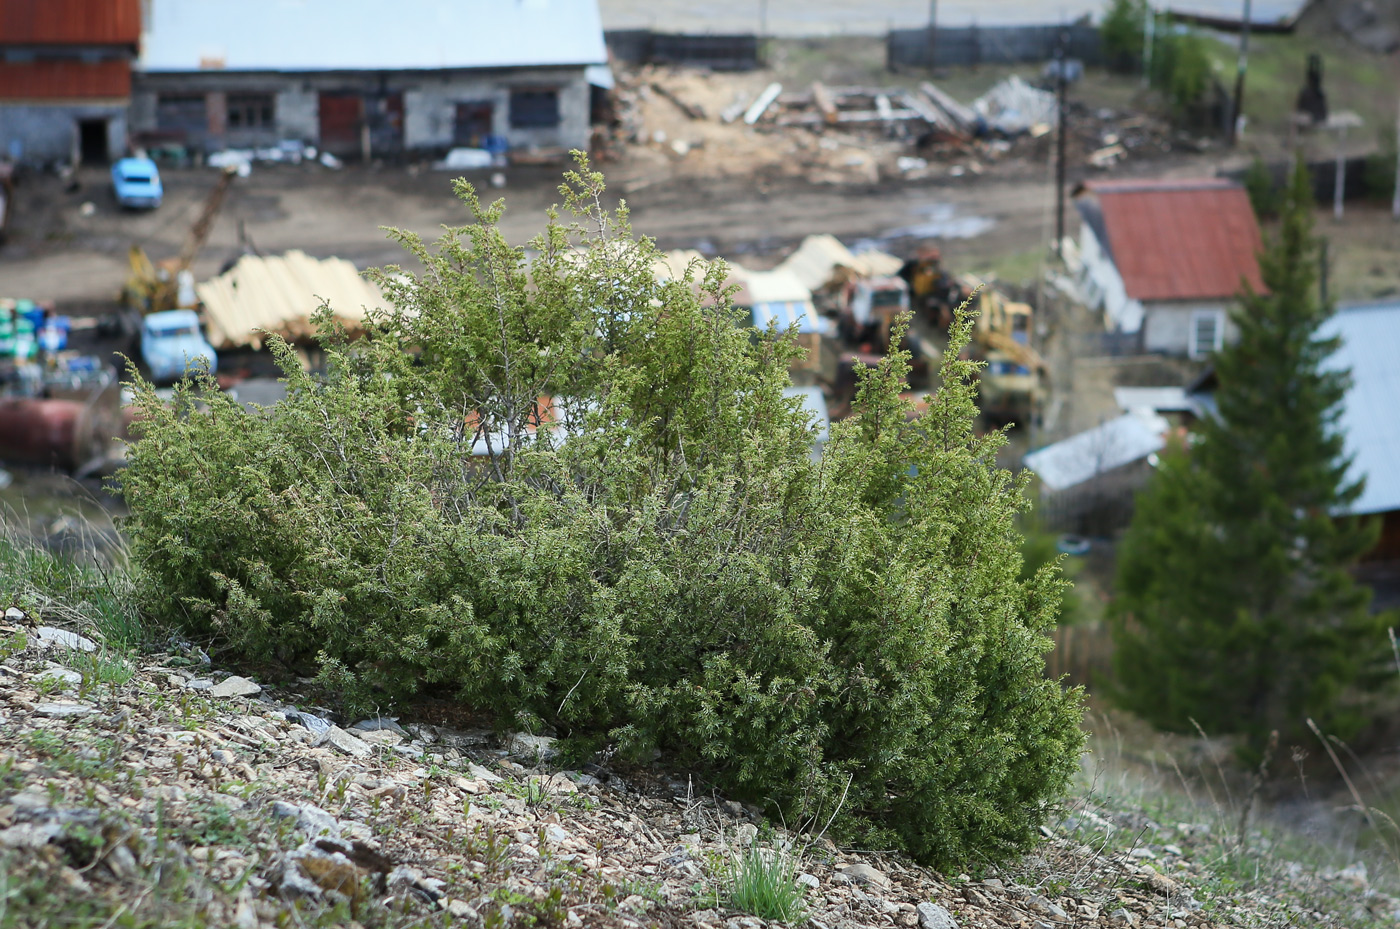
(64, 434)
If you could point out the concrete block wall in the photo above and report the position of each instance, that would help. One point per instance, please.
(430, 101)
(47, 133)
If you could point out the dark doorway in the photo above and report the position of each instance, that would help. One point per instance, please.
(341, 115)
(92, 141)
(473, 123)
(385, 115)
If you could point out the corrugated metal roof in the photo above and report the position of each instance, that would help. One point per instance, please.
(1180, 239)
(1131, 437)
(360, 35)
(64, 79)
(1370, 417)
(70, 22)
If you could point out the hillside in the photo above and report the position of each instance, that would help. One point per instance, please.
(158, 791)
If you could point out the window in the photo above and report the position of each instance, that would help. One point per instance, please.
(534, 109)
(181, 113)
(250, 111)
(1207, 332)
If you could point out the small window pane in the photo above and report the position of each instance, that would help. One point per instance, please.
(534, 109)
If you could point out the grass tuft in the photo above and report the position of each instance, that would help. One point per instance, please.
(763, 882)
(91, 595)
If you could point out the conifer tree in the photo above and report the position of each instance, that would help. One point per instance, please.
(1236, 609)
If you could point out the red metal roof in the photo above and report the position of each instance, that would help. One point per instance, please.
(70, 22)
(64, 79)
(1180, 239)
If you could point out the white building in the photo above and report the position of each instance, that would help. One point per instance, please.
(1166, 259)
(363, 76)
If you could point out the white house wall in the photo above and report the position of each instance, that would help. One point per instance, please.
(1104, 286)
(1167, 325)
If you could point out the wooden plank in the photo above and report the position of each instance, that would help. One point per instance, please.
(822, 98)
(963, 117)
(931, 114)
(689, 109)
(849, 116)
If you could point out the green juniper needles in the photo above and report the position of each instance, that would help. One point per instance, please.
(649, 558)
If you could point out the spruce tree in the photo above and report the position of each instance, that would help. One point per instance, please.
(1236, 608)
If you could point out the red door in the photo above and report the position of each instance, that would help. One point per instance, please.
(341, 118)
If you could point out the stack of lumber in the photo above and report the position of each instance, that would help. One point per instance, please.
(279, 294)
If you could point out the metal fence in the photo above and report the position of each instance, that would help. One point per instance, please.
(717, 52)
(973, 45)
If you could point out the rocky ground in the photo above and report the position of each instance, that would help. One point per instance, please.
(155, 790)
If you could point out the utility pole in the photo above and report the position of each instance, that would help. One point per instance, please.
(932, 33)
(1339, 183)
(1395, 201)
(1238, 109)
(1060, 84)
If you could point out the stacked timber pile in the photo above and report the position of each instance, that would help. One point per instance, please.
(279, 294)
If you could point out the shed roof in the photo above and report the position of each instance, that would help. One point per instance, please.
(1131, 437)
(1370, 417)
(818, 261)
(362, 35)
(70, 22)
(1188, 239)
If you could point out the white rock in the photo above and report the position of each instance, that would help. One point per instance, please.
(379, 736)
(1354, 875)
(65, 676)
(199, 683)
(62, 710)
(553, 783)
(14, 614)
(343, 741)
(808, 881)
(379, 723)
(865, 874)
(533, 747)
(745, 834)
(310, 820)
(481, 774)
(461, 909)
(235, 687)
(29, 835)
(50, 637)
(556, 834)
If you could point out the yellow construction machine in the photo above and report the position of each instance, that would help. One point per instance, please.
(1012, 382)
(155, 286)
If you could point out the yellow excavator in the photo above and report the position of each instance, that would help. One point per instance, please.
(155, 286)
(1013, 380)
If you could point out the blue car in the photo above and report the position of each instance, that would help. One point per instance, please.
(172, 344)
(136, 183)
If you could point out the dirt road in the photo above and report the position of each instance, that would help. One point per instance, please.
(56, 252)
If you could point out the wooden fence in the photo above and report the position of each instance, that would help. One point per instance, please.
(1083, 653)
